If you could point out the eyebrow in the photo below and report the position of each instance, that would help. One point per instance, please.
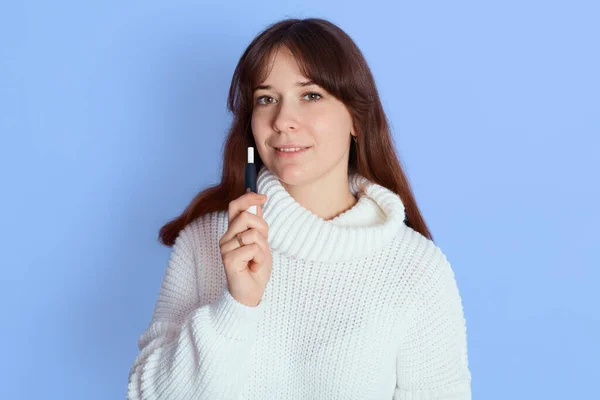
(268, 87)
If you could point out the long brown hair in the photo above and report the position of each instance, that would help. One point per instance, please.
(330, 58)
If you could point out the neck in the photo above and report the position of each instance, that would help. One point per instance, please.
(297, 232)
(327, 197)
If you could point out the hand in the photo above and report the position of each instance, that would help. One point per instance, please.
(248, 268)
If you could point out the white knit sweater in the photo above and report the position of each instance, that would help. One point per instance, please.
(357, 307)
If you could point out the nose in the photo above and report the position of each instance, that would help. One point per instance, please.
(286, 117)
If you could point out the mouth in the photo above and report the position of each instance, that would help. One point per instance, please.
(290, 152)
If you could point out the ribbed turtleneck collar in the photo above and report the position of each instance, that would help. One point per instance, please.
(299, 233)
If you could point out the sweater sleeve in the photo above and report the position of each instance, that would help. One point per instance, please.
(193, 350)
(432, 361)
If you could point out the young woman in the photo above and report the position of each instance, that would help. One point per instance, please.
(334, 289)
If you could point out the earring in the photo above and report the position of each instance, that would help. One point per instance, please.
(355, 139)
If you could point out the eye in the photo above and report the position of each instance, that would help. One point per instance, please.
(312, 96)
(268, 100)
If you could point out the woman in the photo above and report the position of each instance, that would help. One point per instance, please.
(334, 289)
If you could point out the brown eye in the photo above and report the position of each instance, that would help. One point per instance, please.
(312, 96)
(267, 100)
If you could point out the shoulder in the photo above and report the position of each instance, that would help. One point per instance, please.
(422, 267)
(206, 226)
(418, 250)
(202, 234)
(196, 254)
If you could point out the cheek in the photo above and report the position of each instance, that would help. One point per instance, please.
(330, 125)
(259, 125)
(257, 128)
(255, 122)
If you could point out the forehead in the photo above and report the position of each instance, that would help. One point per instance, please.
(281, 64)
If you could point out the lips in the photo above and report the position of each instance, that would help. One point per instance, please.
(290, 152)
(290, 149)
(291, 146)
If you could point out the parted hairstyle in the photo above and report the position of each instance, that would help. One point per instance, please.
(329, 57)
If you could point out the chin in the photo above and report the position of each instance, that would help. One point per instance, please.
(292, 174)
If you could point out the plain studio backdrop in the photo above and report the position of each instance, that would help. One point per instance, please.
(113, 117)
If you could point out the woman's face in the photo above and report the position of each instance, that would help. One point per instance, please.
(288, 110)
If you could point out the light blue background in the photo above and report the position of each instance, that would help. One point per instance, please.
(113, 117)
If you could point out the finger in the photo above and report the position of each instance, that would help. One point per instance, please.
(244, 202)
(234, 244)
(245, 255)
(245, 221)
(248, 237)
(230, 245)
(258, 258)
(257, 237)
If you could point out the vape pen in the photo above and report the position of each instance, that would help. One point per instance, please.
(250, 176)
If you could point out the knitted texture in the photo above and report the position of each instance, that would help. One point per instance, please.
(357, 307)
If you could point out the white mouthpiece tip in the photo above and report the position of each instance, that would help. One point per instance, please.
(251, 155)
